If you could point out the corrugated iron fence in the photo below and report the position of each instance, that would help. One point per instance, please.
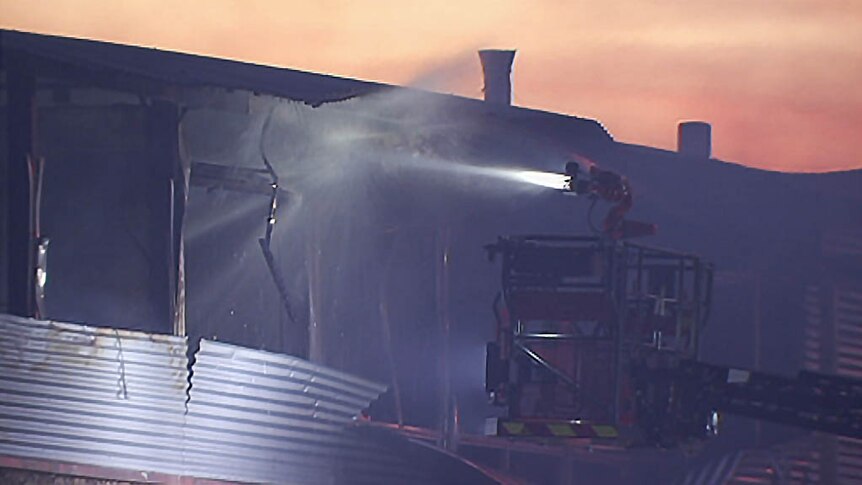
(123, 399)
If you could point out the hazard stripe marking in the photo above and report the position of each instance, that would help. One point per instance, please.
(605, 431)
(561, 429)
(514, 428)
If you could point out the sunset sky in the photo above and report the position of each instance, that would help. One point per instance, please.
(780, 80)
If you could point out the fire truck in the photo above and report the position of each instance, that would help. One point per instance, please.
(597, 338)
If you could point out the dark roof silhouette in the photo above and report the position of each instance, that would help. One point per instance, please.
(174, 68)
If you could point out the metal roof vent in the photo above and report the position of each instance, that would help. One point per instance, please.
(497, 71)
(694, 139)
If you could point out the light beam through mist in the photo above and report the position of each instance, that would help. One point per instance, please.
(550, 180)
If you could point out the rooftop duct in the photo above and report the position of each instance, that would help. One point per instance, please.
(694, 139)
(497, 71)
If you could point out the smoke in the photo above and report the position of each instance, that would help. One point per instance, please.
(370, 186)
(458, 74)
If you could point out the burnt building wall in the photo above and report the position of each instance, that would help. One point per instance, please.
(105, 207)
(105, 210)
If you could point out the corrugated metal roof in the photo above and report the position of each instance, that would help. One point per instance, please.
(92, 395)
(187, 69)
(263, 417)
(173, 68)
(121, 399)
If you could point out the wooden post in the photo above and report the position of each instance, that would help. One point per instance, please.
(164, 118)
(20, 133)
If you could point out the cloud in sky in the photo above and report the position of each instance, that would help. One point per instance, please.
(778, 79)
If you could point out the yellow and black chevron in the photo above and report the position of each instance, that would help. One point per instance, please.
(555, 429)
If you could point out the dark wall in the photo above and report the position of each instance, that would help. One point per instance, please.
(105, 208)
(4, 264)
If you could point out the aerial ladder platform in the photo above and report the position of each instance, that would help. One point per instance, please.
(597, 338)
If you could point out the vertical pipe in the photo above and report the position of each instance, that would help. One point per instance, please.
(20, 129)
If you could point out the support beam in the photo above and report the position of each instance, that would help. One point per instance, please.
(20, 129)
(314, 257)
(170, 201)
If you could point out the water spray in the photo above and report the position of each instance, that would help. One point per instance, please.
(596, 183)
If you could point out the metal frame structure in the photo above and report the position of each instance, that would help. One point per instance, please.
(573, 316)
(633, 376)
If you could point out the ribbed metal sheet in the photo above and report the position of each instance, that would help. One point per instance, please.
(844, 324)
(121, 399)
(796, 462)
(715, 472)
(814, 331)
(261, 417)
(848, 325)
(89, 395)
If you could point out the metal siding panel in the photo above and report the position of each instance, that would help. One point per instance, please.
(121, 399)
(89, 395)
(848, 319)
(260, 416)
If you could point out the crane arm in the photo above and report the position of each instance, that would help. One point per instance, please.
(670, 398)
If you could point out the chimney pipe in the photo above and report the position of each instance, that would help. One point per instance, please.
(694, 139)
(497, 71)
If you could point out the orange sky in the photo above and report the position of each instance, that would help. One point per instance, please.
(780, 80)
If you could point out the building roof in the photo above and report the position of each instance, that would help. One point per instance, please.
(134, 64)
(186, 69)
